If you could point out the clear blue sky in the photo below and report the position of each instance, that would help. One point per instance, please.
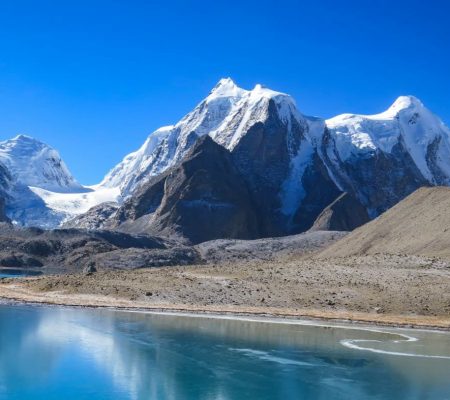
(94, 78)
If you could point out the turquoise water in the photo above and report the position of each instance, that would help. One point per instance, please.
(67, 354)
(17, 273)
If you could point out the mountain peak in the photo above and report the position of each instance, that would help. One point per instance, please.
(34, 163)
(405, 102)
(21, 138)
(226, 88)
(24, 144)
(263, 91)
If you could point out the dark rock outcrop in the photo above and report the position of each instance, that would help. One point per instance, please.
(204, 197)
(5, 181)
(133, 258)
(379, 180)
(15, 260)
(71, 250)
(263, 156)
(343, 214)
(320, 191)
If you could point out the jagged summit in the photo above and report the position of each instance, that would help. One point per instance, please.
(23, 137)
(226, 88)
(24, 140)
(225, 115)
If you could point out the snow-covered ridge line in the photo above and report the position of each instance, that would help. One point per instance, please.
(407, 120)
(43, 186)
(225, 114)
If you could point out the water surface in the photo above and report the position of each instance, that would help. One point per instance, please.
(17, 273)
(63, 353)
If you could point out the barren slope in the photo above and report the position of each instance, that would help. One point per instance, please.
(420, 224)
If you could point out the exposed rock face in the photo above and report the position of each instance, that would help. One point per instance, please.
(378, 179)
(3, 217)
(319, 190)
(204, 197)
(343, 214)
(95, 218)
(72, 250)
(263, 156)
(5, 182)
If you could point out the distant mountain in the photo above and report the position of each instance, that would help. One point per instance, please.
(28, 166)
(33, 163)
(294, 167)
(384, 157)
(38, 189)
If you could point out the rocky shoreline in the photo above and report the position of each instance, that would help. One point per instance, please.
(268, 314)
(366, 289)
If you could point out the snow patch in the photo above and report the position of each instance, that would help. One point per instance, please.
(293, 192)
(72, 204)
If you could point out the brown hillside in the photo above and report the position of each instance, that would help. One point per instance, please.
(420, 224)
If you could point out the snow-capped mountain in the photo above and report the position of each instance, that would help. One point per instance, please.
(226, 115)
(37, 186)
(268, 137)
(293, 165)
(297, 165)
(33, 163)
(386, 156)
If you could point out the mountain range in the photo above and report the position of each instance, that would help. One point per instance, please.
(242, 164)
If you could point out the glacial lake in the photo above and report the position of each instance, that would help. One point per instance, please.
(53, 353)
(17, 273)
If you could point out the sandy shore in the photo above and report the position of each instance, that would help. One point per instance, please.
(20, 293)
(386, 290)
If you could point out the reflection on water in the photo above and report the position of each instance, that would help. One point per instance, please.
(56, 353)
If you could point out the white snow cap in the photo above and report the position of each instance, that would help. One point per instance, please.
(407, 119)
(406, 102)
(226, 88)
(32, 162)
(400, 104)
(225, 114)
